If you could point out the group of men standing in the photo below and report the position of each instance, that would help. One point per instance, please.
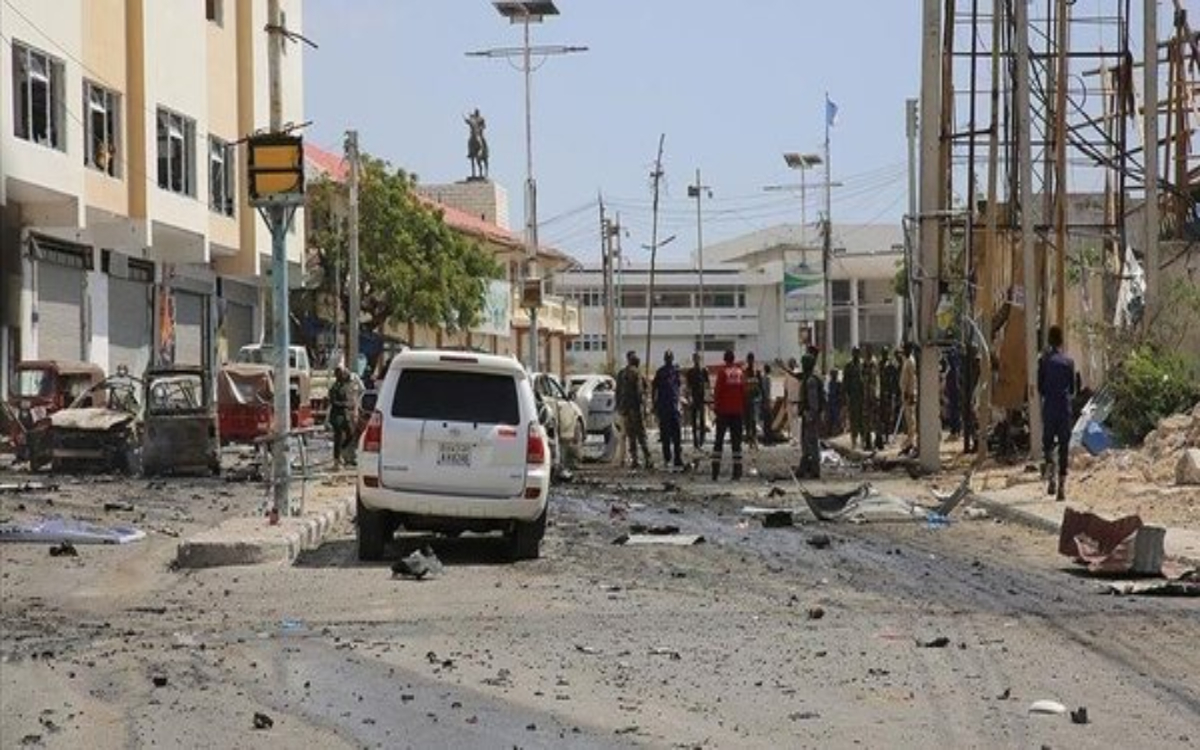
(739, 393)
(879, 393)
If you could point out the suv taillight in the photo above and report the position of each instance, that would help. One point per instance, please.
(535, 446)
(373, 435)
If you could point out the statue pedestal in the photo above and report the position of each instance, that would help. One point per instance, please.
(477, 196)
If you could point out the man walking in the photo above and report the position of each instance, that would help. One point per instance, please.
(665, 390)
(908, 391)
(812, 401)
(1056, 384)
(341, 418)
(697, 388)
(889, 396)
(791, 394)
(729, 400)
(870, 380)
(854, 397)
(631, 402)
(750, 408)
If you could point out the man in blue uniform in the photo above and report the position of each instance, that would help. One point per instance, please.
(1056, 384)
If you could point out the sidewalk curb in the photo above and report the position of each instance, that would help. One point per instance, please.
(249, 541)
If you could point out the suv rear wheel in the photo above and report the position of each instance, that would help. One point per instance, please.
(372, 530)
(526, 538)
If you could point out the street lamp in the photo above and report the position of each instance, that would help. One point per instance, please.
(802, 162)
(526, 12)
(696, 191)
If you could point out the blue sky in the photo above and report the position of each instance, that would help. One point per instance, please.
(732, 85)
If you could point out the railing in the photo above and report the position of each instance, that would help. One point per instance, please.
(556, 315)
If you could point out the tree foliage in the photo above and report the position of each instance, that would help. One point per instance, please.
(413, 268)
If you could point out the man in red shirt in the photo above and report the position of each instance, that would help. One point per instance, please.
(729, 396)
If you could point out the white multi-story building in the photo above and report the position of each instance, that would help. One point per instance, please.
(124, 222)
(745, 306)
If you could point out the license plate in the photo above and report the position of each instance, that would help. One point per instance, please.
(454, 454)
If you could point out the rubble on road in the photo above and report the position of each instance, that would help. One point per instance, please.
(418, 565)
(1125, 545)
(675, 540)
(1187, 469)
(58, 529)
(24, 487)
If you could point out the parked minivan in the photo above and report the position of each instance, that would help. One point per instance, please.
(453, 444)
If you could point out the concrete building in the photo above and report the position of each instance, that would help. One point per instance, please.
(745, 303)
(125, 230)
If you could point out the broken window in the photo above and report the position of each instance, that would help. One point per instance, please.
(38, 106)
(102, 108)
(176, 153)
(220, 177)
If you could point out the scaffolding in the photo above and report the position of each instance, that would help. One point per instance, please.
(1087, 119)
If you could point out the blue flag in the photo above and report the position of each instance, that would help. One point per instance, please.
(831, 112)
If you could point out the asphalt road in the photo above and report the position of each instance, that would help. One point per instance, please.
(755, 638)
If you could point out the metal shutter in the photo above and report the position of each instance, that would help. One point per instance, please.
(60, 312)
(130, 335)
(189, 328)
(239, 326)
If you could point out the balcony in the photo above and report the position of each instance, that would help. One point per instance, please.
(556, 315)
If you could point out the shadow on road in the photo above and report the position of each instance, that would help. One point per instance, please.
(468, 549)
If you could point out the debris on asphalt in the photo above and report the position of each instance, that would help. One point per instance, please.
(262, 721)
(1005, 695)
(114, 505)
(1125, 545)
(949, 501)
(668, 652)
(939, 642)
(1079, 715)
(778, 519)
(1182, 587)
(656, 530)
(418, 565)
(1047, 707)
(819, 541)
(58, 529)
(23, 487)
(589, 650)
(803, 715)
(935, 520)
(676, 540)
(65, 549)
(159, 680)
(976, 514)
(816, 613)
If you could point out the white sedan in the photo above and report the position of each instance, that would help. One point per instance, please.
(596, 396)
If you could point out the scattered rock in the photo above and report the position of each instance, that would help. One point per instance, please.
(776, 492)
(159, 680)
(1187, 471)
(114, 505)
(1047, 707)
(418, 565)
(816, 613)
(819, 541)
(1005, 695)
(939, 642)
(262, 721)
(66, 549)
(803, 715)
(1079, 715)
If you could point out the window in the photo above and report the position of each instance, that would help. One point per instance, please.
(439, 395)
(220, 177)
(39, 110)
(101, 128)
(176, 153)
(214, 10)
(589, 342)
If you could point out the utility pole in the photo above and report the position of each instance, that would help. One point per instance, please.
(983, 415)
(607, 286)
(618, 305)
(912, 129)
(352, 334)
(656, 175)
(696, 191)
(1029, 301)
(929, 418)
(280, 217)
(1150, 147)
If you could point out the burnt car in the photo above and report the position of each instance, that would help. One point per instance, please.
(179, 422)
(39, 389)
(100, 429)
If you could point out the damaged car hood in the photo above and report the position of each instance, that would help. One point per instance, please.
(92, 419)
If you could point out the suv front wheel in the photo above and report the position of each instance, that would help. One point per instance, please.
(371, 528)
(526, 538)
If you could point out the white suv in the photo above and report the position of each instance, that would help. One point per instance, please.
(453, 445)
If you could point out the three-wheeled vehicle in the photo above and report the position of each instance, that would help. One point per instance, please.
(41, 388)
(246, 402)
(179, 424)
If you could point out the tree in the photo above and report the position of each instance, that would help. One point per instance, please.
(412, 267)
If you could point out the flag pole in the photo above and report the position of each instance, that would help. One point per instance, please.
(827, 249)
